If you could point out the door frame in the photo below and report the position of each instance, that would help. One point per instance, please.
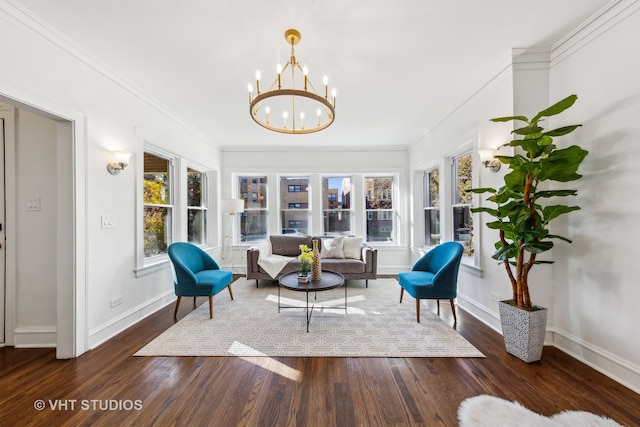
(72, 333)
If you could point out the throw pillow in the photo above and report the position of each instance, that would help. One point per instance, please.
(352, 247)
(332, 248)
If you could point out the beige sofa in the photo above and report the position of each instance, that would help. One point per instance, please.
(357, 261)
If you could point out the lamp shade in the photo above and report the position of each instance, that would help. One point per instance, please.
(122, 157)
(233, 205)
(486, 155)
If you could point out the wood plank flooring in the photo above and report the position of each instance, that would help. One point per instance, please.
(109, 387)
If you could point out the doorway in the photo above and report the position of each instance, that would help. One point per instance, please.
(66, 327)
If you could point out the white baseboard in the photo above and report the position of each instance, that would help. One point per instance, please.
(118, 324)
(35, 337)
(621, 370)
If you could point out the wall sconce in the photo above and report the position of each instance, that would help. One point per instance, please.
(486, 157)
(122, 160)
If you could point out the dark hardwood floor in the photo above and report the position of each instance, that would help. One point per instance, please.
(107, 386)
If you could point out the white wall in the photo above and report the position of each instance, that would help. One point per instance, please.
(36, 248)
(591, 289)
(469, 127)
(313, 163)
(596, 290)
(41, 72)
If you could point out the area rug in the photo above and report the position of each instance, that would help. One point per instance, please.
(375, 325)
(491, 411)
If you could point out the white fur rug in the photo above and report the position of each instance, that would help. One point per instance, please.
(490, 411)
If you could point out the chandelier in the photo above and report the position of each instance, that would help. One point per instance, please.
(293, 98)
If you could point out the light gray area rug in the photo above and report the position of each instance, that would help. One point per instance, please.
(490, 411)
(375, 325)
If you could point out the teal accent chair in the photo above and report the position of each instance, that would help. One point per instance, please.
(196, 274)
(434, 276)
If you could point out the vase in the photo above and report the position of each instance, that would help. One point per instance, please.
(523, 331)
(316, 267)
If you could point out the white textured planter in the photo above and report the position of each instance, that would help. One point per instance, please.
(523, 331)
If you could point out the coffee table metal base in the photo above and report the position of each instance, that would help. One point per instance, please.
(329, 280)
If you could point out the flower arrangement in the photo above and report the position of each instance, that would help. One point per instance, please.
(306, 259)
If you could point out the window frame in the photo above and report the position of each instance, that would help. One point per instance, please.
(389, 212)
(351, 210)
(204, 202)
(143, 260)
(252, 179)
(427, 207)
(469, 252)
(297, 189)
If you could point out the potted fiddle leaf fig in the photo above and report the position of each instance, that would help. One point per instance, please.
(525, 206)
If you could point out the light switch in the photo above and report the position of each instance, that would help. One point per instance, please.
(106, 221)
(33, 205)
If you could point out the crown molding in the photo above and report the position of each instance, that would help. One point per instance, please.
(602, 21)
(316, 149)
(25, 18)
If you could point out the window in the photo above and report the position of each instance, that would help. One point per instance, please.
(336, 206)
(461, 202)
(432, 207)
(254, 223)
(379, 208)
(196, 207)
(158, 204)
(294, 205)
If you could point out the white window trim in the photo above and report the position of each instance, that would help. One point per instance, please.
(471, 264)
(425, 208)
(309, 201)
(148, 265)
(206, 190)
(397, 202)
(351, 210)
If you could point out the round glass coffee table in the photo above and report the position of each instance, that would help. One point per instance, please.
(328, 280)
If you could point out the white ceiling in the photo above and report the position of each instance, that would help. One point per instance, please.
(399, 67)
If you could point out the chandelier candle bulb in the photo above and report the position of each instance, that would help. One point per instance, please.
(319, 113)
(250, 88)
(325, 80)
(266, 112)
(305, 71)
(279, 70)
(302, 120)
(333, 95)
(284, 118)
(258, 76)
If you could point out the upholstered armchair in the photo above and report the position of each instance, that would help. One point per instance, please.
(196, 274)
(434, 276)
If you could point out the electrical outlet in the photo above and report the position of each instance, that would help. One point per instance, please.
(116, 301)
(495, 296)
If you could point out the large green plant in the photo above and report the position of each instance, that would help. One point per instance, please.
(520, 216)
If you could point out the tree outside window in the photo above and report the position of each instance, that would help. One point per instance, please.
(158, 205)
(432, 207)
(196, 207)
(461, 202)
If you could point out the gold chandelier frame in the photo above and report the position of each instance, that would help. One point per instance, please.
(262, 115)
